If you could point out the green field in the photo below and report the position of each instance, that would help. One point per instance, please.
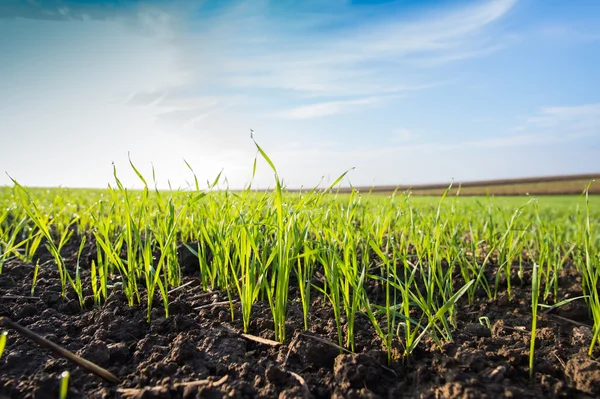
(424, 254)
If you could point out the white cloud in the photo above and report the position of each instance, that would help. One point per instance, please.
(438, 33)
(256, 49)
(565, 121)
(551, 126)
(177, 112)
(317, 110)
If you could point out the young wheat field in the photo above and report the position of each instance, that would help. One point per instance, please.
(314, 294)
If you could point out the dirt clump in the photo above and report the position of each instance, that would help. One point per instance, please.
(198, 351)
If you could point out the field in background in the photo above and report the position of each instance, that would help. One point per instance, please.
(553, 185)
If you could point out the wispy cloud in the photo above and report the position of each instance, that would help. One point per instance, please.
(550, 126)
(330, 52)
(265, 50)
(565, 121)
(145, 98)
(320, 109)
(449, 32)
(171, 107)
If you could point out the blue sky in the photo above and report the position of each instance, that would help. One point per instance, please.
(406, 92)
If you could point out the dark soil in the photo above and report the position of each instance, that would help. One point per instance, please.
(198, 353)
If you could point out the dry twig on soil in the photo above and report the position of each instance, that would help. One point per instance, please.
(59, 350)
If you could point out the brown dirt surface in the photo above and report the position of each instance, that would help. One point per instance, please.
(548, 185)
(198, 353)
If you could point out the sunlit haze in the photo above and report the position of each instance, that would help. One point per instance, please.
(406, 92)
